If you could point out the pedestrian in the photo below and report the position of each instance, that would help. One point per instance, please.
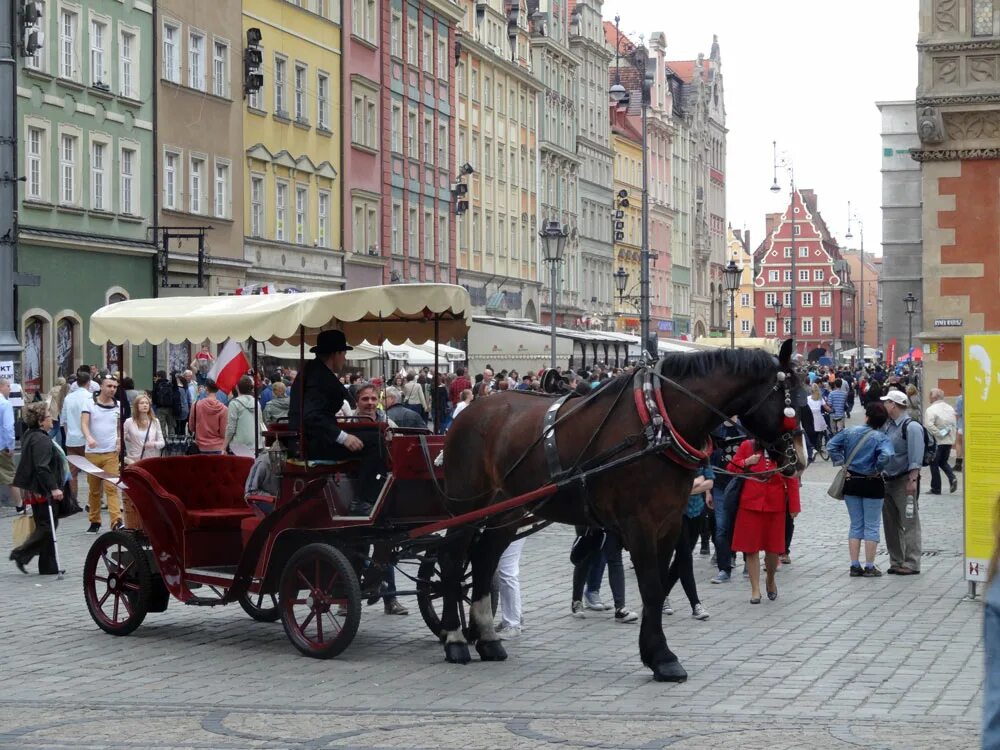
(202, 363)
(163, 401)
(181, 403)
(142, 431)
(7, 441)
(463, 403)
(42, 473)
(99, 422)
(991, 645)
(508, 584)
(414, 397)
(901, 509)
(208, 420)
(866, 450)
(276, 409)
(242, 423)
(837, 401)
(913, 410)
(959, 431)
(590, 570)
(760, 521)
(942, 422)
(725, 440)
(56, 397)
(815, 427)
(682, 567)
(76, 443)
(399, 413)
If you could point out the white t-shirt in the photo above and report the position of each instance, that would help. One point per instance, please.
(816, 405)
(459, 409)
(103, 426)
(70, 416)
(92, 385)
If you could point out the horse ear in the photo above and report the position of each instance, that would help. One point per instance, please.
(785, 355)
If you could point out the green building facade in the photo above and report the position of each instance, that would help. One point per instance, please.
(85, 151)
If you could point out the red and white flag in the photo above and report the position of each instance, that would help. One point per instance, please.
(229, 367)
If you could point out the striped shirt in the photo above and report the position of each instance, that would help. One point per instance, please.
(837, 400)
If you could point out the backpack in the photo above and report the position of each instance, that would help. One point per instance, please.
(163, 394)
(930, 444)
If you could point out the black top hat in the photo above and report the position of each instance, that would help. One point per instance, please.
(330, 341)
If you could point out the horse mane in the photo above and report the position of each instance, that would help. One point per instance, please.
(741, 362)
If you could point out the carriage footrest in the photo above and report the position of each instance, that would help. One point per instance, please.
(204, 601)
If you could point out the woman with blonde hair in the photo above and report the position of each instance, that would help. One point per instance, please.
(913, 410)
(55, 399)
(143, 435)
(815, 427)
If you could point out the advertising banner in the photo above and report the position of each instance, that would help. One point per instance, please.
(981, 368)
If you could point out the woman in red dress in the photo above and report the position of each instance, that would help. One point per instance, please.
(760, 521)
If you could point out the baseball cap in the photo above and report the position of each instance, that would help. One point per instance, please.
(896, 396)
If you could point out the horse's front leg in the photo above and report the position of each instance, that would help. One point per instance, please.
(485, 555)
(651, 557)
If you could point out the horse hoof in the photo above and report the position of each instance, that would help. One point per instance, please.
(457, 653)
(669, 671)
(491, 651)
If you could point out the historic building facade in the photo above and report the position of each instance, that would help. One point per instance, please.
(626, 143)
(824, 290)
(867, 286)
(497, 137)
(958, 121)
(85, 148)
(739, 252)
(292, 182)
(558, 69)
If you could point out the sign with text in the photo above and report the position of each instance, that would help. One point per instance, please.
(7, 370)
(981, 360)
(947, 322)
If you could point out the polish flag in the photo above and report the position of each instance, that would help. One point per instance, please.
(229, 367)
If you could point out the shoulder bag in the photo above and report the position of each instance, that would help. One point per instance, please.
(837, 485)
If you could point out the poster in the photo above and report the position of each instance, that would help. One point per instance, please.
(981, 367)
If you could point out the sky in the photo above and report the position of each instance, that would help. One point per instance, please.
(804, 73)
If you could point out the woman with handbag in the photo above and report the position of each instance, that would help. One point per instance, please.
(765, 497)
(41, 473)
(863, 451)
(815, 427)
(143, 436)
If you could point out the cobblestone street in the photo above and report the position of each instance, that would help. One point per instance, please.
(835, 662)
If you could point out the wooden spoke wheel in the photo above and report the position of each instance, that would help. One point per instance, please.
(320, 601)
(430, 597)
(117, 582)
(261, 607)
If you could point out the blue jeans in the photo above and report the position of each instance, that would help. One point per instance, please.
(725, 522)
(866, 517)
(610, 555)
(991, 647)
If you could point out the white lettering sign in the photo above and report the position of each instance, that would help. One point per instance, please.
(947, 322)
(7, 370)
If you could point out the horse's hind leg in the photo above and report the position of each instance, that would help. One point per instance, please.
(485, 555)
(451, 558)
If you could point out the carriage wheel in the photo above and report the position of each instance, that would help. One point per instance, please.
(261, 607)
(320, 601)
(117, 582)
(429, 595)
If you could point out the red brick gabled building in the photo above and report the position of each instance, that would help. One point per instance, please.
(824, 290)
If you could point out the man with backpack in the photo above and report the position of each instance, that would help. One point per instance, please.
(901, 509)
(163, 401)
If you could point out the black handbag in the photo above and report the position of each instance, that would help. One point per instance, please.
(68, 506)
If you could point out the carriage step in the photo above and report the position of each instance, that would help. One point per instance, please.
(204, 601)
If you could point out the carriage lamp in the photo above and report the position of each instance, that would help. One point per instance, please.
(732, 276)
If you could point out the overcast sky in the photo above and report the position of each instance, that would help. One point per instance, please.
(807, 74)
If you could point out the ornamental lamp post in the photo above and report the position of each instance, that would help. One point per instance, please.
(777, 317)
(732, 276)
(911, 307)
(786, 163)
(554, 236)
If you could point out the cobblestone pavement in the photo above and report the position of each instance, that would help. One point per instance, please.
(835, 662)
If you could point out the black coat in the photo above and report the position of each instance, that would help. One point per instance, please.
(323, 397)
(40, 469)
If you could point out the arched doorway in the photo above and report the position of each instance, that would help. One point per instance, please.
(66, 332)
(530, 312)
(114, 356)
(699, 330)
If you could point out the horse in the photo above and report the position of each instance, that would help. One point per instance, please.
(624, 457)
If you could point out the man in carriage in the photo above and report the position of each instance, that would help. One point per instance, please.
(316, 396)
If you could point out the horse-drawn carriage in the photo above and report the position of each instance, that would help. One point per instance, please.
(624, 459)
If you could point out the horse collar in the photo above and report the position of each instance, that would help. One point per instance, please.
(657, 425)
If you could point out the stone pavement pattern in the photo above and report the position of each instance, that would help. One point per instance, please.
(835, 662)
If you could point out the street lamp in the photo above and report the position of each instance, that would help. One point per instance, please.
(646, 65)
(776, 188)
(732, 275)
(777, 317)
(621, 282)
(861, 283)
(911, 307)
(554, 236)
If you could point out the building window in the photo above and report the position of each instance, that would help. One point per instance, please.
(807, 325)
(196, 61)
(788, 252)
(413, 234)
(796, 229)
(256, 206)
(363, 20)
(411, 42)
(803, 250)
(825, 325)
(364, 120)
(397, 128)
(301, 214)
(280, 210)
(427, 50)
(196, 176)
(770, 326)
(817, 274)
(788, 275)
(68, 154)
(171, 167)
(323, 101)
(301, 108)
(804, 274)
(744, 300)
(98, 54)
(171, 53)
(396, 35)
(442, 59)
(772, 275)
(36, 152)
(807, 299)
(744, 326)
(397, 229)
(824, 299)
(429, 140)
(220, 69)
(786, 299)
(127, 55)
(323, 219)
(442, 150)
(442, 239)
(127, 190)
(222, 190)
(99, 176)
(428, 235)
(280, 67)
(769, 299)
(412, 149)
(68, 65)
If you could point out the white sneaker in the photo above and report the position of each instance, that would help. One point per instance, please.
(577, 610)
(625, 615)
(507, 633)
(667, 609)
(699, 612)
(592, 601)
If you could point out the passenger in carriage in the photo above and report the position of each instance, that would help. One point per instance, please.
(317, 395)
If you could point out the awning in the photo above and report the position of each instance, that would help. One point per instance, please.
(445, 352)
(397, 311)
(290, 352)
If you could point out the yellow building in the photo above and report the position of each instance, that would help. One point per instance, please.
(739, 252)
(292, 138)
(626, 143)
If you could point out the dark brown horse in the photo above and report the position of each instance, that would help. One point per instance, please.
(495, 451)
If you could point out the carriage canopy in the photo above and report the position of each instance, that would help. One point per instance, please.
(397, 313)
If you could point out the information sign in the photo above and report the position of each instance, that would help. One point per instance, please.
(981, 360)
